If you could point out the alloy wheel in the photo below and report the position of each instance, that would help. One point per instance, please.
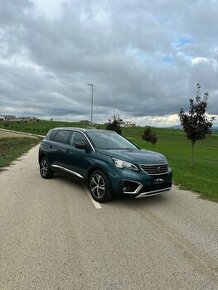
(97, 186)
(43, 167)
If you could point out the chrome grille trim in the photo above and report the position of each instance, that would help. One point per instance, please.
(152, 193)
(154, 169)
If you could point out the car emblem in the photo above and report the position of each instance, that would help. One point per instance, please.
(158, 169)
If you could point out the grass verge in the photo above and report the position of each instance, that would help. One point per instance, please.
(12, 148)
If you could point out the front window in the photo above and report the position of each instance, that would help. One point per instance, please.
(109, 140)
(78, 137)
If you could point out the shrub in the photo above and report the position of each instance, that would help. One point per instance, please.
(114, 126)
(149, 135)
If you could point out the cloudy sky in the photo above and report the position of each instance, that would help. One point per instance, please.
(144, 58)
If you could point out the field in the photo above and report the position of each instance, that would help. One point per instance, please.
(37, 127)
(201, 178)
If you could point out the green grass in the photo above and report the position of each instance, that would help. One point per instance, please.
(201, 178)
(12, 148)
(37, 127)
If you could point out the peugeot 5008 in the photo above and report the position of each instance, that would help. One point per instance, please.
(106, 161)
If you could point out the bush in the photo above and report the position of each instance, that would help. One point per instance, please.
(149, 135)
(114, 126)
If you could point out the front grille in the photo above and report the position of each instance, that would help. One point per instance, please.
(154, 169)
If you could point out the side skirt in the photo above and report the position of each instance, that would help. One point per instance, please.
(68, 170)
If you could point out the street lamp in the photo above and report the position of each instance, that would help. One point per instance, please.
(91, 103)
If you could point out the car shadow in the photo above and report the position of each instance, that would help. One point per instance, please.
(117, 200)
(145, 202)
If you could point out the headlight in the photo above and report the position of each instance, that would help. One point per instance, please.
(124, 164)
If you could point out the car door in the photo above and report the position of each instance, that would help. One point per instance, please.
(60, 148)
(79, 159)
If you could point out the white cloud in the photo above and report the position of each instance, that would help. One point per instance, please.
(49, 8)
(144, 58)
(158, 121)
(199, 60)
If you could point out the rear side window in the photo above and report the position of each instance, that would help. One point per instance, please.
(51, 134)
(62, 136)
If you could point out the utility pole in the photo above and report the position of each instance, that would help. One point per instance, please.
(91, 85)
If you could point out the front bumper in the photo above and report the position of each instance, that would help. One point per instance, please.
(140, 184)
(154, 192)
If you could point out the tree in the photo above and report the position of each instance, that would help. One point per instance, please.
(196, 124)
(149, 135)
(114, 125)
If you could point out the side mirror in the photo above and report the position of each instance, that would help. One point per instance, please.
(81, 145)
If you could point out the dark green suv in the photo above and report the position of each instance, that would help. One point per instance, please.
(106, 161)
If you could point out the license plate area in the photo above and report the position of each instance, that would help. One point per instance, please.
(158, 180)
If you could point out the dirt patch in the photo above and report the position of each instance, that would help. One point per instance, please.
(7, 134)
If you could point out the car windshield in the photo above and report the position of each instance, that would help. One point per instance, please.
(109, 140)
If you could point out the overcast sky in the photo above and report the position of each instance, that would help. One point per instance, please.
(144, 58)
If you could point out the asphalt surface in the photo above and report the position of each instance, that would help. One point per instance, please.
(52, 236)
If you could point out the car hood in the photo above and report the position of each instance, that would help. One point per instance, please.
(139, 156)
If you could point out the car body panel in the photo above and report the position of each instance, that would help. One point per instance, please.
(139, 156)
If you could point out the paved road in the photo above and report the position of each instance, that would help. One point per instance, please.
(53, 237)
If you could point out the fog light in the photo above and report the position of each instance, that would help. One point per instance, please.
(130, 187)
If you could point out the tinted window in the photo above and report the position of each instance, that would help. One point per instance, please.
(78, 137)
(51, 134)
(62, 136)
(110, 140)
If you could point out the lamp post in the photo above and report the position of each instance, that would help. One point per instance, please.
(91, 103)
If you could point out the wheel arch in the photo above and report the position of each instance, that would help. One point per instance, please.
(113, 178)
(41, 155)
(93, 169)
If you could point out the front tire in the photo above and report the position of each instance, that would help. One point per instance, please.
(99, 186)
(45, 170)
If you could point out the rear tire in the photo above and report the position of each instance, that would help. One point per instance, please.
(99, 186)
(45, 170)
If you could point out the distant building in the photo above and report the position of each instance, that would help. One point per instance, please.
(129, 124)
(12, 118)
(6, 117)
(9, 117)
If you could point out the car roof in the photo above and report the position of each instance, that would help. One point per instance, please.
(88, 130)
